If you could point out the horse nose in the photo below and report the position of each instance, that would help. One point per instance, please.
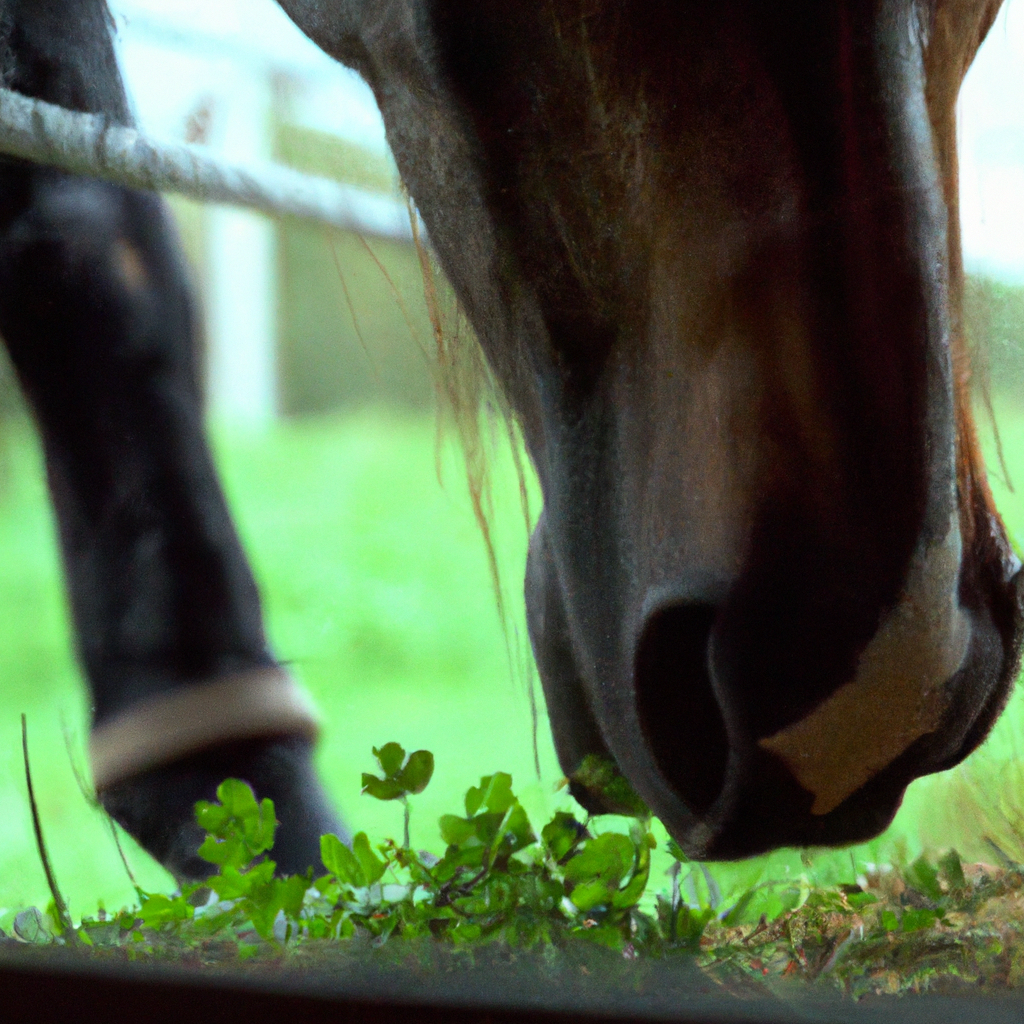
(679, 711)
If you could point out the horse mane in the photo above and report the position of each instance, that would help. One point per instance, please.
(470, 401)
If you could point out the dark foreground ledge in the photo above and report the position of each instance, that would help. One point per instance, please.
(59, 987)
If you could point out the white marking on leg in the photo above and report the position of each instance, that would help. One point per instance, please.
(169, 726)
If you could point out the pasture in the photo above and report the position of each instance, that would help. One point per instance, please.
(378, 593)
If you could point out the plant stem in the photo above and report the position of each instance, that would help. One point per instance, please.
(124, 859)
(58, 901)
(676, 901)
(405, 822)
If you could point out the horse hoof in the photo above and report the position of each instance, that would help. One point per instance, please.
(157, 807)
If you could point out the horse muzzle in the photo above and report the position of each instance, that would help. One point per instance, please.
(749, 720)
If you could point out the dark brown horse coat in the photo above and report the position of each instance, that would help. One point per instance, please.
(710, 249)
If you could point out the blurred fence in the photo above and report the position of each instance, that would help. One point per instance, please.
(300, 319)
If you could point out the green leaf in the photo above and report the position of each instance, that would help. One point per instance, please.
(951, 869)
(642, 842)
(487, 826)
(260, 833)
(561, 835)
(608, 857)
(494, 793)
(498, 798)
(418, 770)
(262, 918)
(857, 898)
(239, 829)
(382, 789)
(916, 920)
(341, 862)
(465, 932)
(231, 884)
(924, 878)
(237, 799)
(676, 851)
(211, 816)
(457, 857)
(588, 895)
(268, 896)
(390, 758)
(793, 897)
(224, 851)
(157, 910)
(475, 796)
(768, 899)
(629, 895)
(455, 830)
(690, 925)
(740, 908)
(592, 877)
(604, 935)
(291, 893)
(516, 831)
(373, 867)
(889, 921)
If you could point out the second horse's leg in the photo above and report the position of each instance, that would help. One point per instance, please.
(97, 314)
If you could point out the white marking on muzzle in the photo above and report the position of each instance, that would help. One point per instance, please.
(169, 726)
(898, 693)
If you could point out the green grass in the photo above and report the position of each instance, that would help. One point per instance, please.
(377, 592)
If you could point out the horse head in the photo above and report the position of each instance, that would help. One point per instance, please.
(711, 251)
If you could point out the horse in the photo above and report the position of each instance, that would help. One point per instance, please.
(710, 251)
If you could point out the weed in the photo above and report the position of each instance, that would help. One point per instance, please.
(924, 924)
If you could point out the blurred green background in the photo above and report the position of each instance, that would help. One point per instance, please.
(376, 582)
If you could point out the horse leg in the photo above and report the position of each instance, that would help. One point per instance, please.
(96, 311)
(583, 755)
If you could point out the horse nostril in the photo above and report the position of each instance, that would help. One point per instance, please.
(676, 704)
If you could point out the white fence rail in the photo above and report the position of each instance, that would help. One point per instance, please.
(90, 144)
